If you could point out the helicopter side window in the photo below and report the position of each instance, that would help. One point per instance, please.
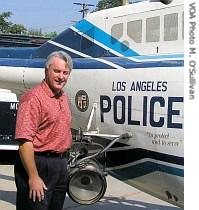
(134, 30)
(171, 27)
(153, 29)
(116, 32)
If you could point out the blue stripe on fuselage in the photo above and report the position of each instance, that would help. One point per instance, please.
(160, 57)
(81, 44)
(32, 63)
(18, 52)
(39, 63)
(89, 63)
(102, 37)
(127, 63)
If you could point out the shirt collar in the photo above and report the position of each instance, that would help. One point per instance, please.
(48, 91)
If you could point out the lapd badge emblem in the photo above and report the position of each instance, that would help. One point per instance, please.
(82, 100)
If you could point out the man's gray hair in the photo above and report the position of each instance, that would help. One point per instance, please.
(62, 55)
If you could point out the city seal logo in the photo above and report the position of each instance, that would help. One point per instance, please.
(82, 100)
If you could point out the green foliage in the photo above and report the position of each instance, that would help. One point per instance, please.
(105, 4)
(35, 32)
(9, 27)
(51, 34)
(4, 23)
(17, 29)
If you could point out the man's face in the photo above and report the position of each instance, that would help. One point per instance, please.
(57, 74)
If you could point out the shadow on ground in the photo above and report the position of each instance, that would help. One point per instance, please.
(107, 203)
(115, 203)
(110, 203)
(6, 177)
(8, 196)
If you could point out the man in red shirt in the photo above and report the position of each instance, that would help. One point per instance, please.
(43, 131)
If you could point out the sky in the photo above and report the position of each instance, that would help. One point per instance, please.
(49, 15)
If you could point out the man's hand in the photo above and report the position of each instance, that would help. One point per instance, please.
(36, 188)
(36, 184)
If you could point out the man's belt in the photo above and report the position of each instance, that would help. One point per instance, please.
(53, 154)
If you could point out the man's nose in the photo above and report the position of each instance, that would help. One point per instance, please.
(61, 75)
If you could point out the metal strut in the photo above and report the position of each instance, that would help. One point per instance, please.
(122, 136)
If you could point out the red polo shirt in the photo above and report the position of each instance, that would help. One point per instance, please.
(44, 119)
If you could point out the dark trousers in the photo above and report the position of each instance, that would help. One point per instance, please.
(53, 171)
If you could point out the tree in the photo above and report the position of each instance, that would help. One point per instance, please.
(17, 29)
(50, 34)
(35, 32)
(4, 23)
(105, 4)
(9, 27)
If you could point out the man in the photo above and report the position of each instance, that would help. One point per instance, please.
(43, 130)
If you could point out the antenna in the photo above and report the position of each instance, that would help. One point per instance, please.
(84, 9)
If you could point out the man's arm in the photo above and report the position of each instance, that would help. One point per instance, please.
(36, 184)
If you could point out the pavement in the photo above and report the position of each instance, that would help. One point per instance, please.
(119, 196)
